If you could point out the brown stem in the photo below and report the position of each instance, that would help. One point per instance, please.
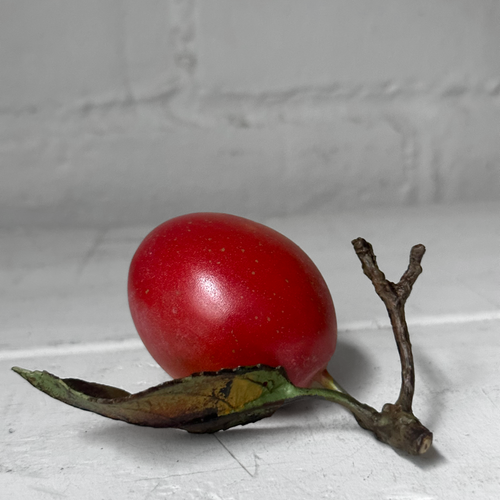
(393, 426)
(394, 296)
(396, 424)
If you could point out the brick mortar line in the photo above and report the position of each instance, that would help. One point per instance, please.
(338, 92)
(133, 344)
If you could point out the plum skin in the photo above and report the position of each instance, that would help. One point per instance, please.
(209, 291)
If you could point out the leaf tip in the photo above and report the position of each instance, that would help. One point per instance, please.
(26, 374)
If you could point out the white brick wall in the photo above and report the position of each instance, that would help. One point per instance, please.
(119, 111)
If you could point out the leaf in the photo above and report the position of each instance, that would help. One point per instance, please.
(203, 402)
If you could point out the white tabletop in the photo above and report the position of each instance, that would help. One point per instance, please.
(64, 309)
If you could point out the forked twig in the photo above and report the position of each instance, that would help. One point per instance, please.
(394, 296)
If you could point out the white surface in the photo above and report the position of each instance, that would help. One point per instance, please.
(64, 309)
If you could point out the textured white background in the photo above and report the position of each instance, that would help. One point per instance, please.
(326, 120)
(64, 309)
(120, 112)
